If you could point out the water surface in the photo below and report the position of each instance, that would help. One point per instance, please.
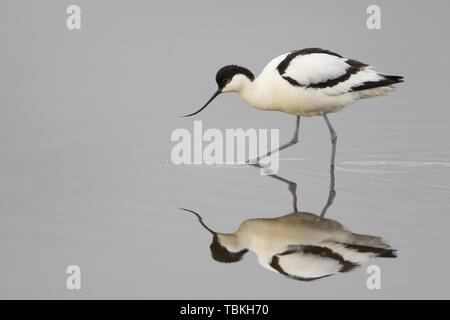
(85, 170)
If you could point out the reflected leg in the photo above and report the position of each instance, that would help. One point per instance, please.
(292, 186)
(331, 193)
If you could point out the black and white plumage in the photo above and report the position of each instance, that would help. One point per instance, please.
(307, 82)
(300, 245)
(316, 68)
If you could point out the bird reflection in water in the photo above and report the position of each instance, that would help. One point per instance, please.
(300, 245)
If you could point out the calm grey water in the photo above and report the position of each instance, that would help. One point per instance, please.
(85, 124)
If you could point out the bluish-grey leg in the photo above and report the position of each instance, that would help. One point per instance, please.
(333, 139)
(332, 192)
(293, 141)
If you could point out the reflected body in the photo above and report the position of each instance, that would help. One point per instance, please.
(300, 245)
(303, 246)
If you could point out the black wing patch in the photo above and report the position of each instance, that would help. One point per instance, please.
(303, 52)
(385, 81)
(354, 67)
(379, 252)
(313, 250)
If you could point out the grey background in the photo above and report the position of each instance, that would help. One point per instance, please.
(85, 124)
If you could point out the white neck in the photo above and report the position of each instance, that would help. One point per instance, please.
(255, 95)
(234, 242)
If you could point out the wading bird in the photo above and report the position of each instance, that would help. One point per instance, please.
(307, 82)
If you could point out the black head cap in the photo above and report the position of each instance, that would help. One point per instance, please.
(225, 74)
(221, 254)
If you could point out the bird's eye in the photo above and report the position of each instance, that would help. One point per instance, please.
(226, 80)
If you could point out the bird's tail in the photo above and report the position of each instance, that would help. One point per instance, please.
(376, 251)
(382, 81)
(383, 85)
(371, 244)
(393, 79)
